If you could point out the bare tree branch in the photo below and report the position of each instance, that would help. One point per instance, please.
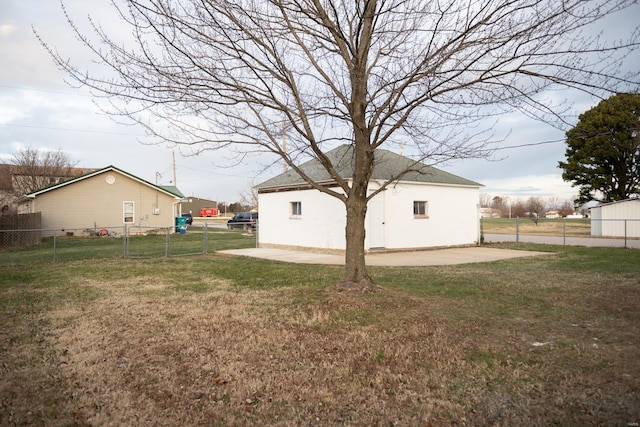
(33, 169)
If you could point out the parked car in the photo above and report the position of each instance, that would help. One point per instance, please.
(243, 220)
(189, 218)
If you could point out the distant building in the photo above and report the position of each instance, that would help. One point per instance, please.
(490, 213)
(616, 219)
(194, 205)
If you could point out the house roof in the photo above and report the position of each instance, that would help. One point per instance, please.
(632, 200)
(170, 190)
(173, 190)
(388, 165)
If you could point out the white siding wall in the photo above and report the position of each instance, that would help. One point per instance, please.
(321, 224)
(452, 216)
(609, 220)
(596, 223)
(452, 220)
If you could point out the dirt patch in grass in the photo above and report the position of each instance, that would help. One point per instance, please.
(149, 351)
(250, 357)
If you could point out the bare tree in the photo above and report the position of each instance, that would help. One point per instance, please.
(33, 169)
(536, 208)
(371, 73)
(566, 208)
(249, 197)
(553, 203)
(501, 204)
(485, 200)
(518, 209)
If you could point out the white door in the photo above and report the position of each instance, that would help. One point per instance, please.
(375, 226)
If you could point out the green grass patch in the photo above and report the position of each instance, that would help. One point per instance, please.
(186, 340)
(154, 245)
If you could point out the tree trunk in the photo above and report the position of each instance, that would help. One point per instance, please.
(355, 269)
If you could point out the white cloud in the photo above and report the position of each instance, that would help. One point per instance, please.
(6, 30)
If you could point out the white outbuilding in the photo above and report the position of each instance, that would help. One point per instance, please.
(616, 219)
(427, 207)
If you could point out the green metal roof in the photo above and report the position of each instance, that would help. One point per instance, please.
(173, 190)
(387, 166)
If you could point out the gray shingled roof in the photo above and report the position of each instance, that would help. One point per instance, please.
(387, 166)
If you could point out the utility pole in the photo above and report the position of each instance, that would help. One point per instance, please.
(173, 162)
(284, 148)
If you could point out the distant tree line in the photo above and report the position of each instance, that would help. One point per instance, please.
(532, 207)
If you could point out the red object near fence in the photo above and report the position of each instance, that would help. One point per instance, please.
(209, 212)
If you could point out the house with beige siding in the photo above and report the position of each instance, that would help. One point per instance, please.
(103, 198)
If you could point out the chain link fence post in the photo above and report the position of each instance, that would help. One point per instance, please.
(125, 243)
(206, 239)
(55, 235)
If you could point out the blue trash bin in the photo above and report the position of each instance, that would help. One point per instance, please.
(181, 224)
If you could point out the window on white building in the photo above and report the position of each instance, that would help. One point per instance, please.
(296, 209)
(420, 209)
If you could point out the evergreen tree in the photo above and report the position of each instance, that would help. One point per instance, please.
(603, 151)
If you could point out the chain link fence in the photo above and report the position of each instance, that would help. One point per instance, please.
(563, 231)
(57, 245)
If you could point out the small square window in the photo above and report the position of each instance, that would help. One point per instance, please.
(421, 209)
(296, 208)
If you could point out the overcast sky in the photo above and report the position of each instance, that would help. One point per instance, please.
(38, 109)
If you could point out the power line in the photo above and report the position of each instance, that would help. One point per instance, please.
(214, 173)
(531, 144)
(57, 92)
(553, 141)
(71, 130)
(508, 147)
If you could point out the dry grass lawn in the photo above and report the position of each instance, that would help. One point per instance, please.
(521, 342)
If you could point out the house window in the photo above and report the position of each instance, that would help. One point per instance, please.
(420, 209)
(296, 209)
(127, 212)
